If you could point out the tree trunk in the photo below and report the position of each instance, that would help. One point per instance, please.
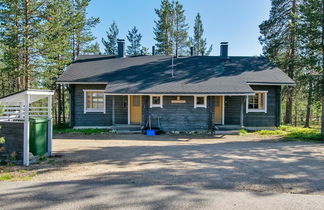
(289, 106)
(59, 105)
(291, 65)
(26, 36)
(309, 104)
(296, 114)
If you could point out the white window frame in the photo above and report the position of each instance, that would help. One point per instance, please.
(265, 102)
(93, 110)
(200, 105)
(156, 105)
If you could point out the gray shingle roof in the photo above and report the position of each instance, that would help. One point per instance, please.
(197, 74)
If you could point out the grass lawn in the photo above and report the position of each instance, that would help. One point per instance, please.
(13, 174)
(63, 128)
(295, 133)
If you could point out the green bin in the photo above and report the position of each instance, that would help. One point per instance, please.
(38, 133)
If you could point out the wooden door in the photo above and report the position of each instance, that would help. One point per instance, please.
(136, 109)
(219, 109)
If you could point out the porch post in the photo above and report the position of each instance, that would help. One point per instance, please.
(113, 110)
(26, 131)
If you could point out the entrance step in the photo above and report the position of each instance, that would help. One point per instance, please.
(227, 129)
(229, 132)
(127, 129)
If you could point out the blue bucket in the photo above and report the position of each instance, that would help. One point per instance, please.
(150, 132)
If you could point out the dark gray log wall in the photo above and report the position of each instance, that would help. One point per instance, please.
(272, 117)
(254, 119)
(178, 117)
(14, 140)
(121, 109)
(232, 110)
(90, 119)
(98, 118)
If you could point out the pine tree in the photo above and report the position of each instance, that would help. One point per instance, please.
(93, 49)
(163, 29)
(111, 43)
(200, 43)
(11, 48)
(312, 39)
(134, 39)
(279, 40)
(82, 35)
(180, 29)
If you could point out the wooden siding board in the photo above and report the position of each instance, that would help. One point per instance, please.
(91, 118)
(179, 117)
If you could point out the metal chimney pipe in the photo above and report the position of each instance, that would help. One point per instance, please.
(153, 50)
(224, 50)
(191, 51)
(121, 48)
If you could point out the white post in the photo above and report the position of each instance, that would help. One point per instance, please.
(26, 131)
(50, 125)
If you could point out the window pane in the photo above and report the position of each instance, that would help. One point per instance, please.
(136, 100)
(200, 100)
(257, 101)
(94, 100)
(217, 101)
(156, 100)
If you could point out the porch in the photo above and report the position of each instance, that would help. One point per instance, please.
(176, 113)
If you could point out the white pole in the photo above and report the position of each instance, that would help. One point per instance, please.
(26, 131)
(50, 126)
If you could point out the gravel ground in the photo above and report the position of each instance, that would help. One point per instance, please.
(239, 163)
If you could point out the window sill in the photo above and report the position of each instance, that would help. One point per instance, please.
(156, 106)
(256, 110)
(200, 106)
(95, 111)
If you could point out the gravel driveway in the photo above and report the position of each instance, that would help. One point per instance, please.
(231, 162)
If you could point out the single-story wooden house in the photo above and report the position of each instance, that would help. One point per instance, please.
(180, 94)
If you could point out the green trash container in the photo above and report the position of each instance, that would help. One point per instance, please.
(38, 133)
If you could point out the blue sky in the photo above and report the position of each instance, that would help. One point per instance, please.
(235, 21)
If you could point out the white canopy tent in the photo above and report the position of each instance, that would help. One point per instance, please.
(18, 108)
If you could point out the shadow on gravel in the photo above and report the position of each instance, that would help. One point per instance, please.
(294, 167)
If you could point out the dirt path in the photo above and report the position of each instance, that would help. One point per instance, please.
(230, 162)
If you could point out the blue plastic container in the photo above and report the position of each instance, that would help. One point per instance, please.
(150, 132)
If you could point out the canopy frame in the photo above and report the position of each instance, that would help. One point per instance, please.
(18, 108)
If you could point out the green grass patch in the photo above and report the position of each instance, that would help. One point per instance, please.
(17, 175)
(81, 131)
(64, 128)
(294, 133)
(243, 131)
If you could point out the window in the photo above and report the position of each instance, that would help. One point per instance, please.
(94, 101)
(257, 102)
(200, 101)
(156, 101)
(136, 100)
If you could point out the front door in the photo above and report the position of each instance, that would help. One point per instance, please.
(136, 109)
(219, 109)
